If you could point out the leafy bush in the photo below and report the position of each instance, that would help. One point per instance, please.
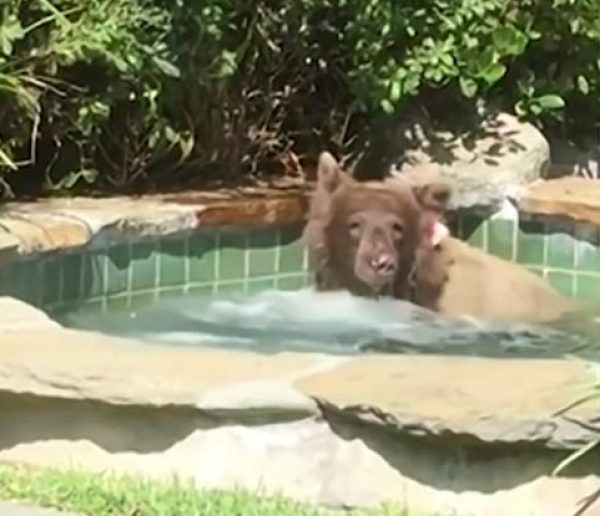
(115, 95)
(67, 69)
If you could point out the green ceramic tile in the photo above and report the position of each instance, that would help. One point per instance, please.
(530, 243)
(588, 256)
(141, 299)
(262, 252)
(536, 270)
(72, 265)
(5, 283)
(473, 230)
(94, 306)
(562, 281)
(202, 248)
(174, 292)
(289, 234)
(117, 269)
(172, 260)
(254, 286)
(51, 280)
(117, 304)
(452, 221)
(291, 256)
(200, 290)
(232, 251)
(23, 281)
(560, 251)
(231, 287)
(588, 287)
(4, 273)
(94, 266)
(10, 284)
(144, 266)
(295, 282)
(501, 238)
(309, 279)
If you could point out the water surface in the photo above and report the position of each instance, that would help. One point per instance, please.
(335, 323)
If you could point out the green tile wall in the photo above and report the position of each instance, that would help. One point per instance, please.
(125, 275)
(566, 254)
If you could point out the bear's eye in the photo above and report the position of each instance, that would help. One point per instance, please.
(397, 228)
(354, 228)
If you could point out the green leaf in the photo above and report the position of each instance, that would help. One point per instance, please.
(89, 175)
(186, 145)
(411, 83)
(447, 60)
(171, 135)
(503, 38)
(227, 64)
(395, 91)
(551, 101)
(6, 161)
(169, 69)
(572, 457)
(536, 108)
(509, 41)
(471, 59)
(520, 43)
(69, 180)
(11, 30)
(583, 85)
(468, 87)
(486, 59)
(494, 73)
(387, 106)
(521, 108)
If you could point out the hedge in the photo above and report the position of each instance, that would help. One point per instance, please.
(138, 95)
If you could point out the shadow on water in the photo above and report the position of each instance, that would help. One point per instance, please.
(337, 323)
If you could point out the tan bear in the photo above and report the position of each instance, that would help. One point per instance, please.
(385, 239)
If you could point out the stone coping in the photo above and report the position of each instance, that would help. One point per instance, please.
(576, 198)
(475, 400)
(53, 224)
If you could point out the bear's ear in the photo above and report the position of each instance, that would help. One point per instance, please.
(433, 199)
(330, 175)
(433, 196)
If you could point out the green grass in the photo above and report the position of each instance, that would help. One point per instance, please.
(105, 495)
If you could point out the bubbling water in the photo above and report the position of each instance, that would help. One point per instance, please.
(333, 322)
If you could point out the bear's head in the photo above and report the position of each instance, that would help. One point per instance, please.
(363, 237)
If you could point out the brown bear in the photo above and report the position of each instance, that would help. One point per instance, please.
(385, 238)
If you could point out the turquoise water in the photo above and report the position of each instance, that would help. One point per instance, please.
(335, 323)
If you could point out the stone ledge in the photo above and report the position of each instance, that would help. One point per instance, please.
(78, 365)
(571, 197)
(474, 399)
(464, 397)
(18, 315)
(52, 224)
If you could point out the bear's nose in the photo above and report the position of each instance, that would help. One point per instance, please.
(383, 264)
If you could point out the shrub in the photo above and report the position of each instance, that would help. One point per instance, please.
(115, 95)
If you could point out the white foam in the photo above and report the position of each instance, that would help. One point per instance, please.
(333, 322)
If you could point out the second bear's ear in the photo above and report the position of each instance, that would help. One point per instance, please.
(433, 199)
(433, 196)
(330, 175)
